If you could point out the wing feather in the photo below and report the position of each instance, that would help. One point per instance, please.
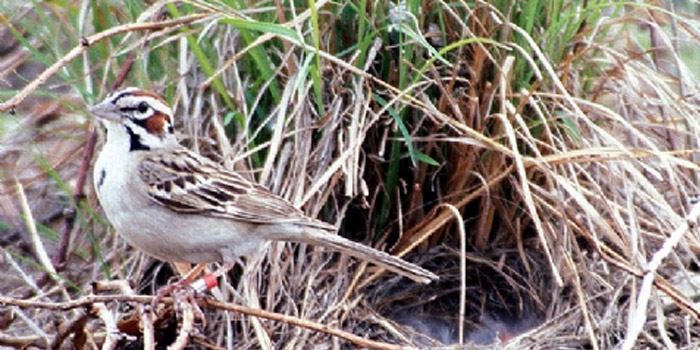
(185, 182)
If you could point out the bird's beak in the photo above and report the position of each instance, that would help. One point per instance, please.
(106, 110)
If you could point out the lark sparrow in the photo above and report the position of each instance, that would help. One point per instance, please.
(178, 206)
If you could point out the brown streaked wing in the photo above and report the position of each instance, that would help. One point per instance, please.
(168, 187)
(185, 182)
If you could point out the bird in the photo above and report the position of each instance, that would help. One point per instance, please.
(178, 206)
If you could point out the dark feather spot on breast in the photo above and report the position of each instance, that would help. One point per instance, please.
(101, 178)
(190, 178)
(168, 186)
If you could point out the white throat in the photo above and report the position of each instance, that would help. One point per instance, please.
(117, 139)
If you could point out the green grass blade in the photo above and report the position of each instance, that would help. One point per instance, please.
(204, 62)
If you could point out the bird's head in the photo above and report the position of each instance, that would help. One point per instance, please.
(141, 117)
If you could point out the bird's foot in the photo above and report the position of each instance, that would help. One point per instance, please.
(168, 290)
(186, 291)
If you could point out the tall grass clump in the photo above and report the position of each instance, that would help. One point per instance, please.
(540, 156)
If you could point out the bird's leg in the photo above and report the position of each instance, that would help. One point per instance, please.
(208, 282)
(183, 283)
(188, 295)
(182, 269)
(189, 284)
(226, 267)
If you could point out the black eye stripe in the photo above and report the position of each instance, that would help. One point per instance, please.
(142, 108)
(135, 143)
(139, 122)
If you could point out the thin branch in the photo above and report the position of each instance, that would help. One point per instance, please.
(78, 303)
(462, 268)
(145, 311)
(21, 342)
(186, 329)
(112, 333)
(12, 103)
(637, 318)
(74, 326)
(37, 244)
(59, 258)
(208, 303)
(314, 326)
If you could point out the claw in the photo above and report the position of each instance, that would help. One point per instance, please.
(191, 298)
(167, 290)
(189, 290)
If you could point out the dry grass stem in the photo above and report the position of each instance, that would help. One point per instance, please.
(540, 157)
(85, 43)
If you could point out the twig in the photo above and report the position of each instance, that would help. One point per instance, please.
(125, 69)
(638, 317)
(78, 303)
(462, 268)
(12, 103)
(580, 295)
(186, 329)
(521, 173)
(661, 324)
(75, 325)
(112, 333)
(39, 249)
(59, 258)
(149, 334)
(209, 303)
(205, 343)
(314, 326)
(21, 342)
(28, 280)
(145, 311)
(31, 324)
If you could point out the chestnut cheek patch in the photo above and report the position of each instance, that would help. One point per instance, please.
(157, 123)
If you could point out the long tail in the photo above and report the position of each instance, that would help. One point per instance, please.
(361, 251)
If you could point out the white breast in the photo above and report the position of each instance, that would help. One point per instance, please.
(156, 230)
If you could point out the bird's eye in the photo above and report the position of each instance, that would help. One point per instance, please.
(143, 107)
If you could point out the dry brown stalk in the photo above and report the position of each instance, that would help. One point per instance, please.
(59, 258)
(89, 300)
(183, 336)
(84, 44)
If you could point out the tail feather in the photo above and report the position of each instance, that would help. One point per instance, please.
(370, 254)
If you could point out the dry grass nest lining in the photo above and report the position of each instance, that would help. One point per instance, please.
(590, 211)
